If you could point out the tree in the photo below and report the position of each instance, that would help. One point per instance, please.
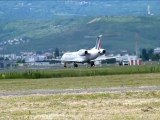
(21, 61)
(150, 53)
(144, 55)
(155, 57)
(1, 58)
(56, 53)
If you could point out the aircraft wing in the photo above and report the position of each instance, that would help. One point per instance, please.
(58, 60)
(74, 60)
(69, 61)
(103, 57)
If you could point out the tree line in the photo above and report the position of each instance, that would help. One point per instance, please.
(148, 54)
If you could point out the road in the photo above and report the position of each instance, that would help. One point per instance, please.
(81, 91)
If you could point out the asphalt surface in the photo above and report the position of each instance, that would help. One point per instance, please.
(81, 91)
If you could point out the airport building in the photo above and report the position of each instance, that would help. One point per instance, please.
(157, 50)
(129, 60)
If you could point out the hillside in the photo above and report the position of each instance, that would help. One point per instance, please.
(47, 9)
(32, 25)
(73, 33)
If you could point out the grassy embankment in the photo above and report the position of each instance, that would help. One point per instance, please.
(35, 74)
(111, 106)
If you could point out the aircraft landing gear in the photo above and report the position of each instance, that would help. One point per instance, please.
(75, 65)
(92, 63)
(65, 65)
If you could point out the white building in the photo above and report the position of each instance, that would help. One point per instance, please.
(157, 50)
(29, 59)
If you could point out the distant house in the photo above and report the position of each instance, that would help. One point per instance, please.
(29, 59)
(157, 50)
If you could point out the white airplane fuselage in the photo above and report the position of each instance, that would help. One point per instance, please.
(83, 55)
(75, 56)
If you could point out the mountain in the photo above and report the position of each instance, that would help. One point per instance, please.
(80, 32)
(48, 9)
(33, 25)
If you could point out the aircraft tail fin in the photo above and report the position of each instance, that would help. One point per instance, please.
(99, 44)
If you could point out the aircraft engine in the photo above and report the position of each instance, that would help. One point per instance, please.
(82, 52)
(102, 51)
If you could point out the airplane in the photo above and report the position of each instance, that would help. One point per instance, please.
(83, 55)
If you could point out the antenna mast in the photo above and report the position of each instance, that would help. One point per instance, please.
(136, 43)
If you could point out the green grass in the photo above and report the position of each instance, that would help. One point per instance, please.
(35, 74)
(81, 82)
(113, 106)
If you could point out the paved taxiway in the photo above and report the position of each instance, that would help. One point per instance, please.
(81, 91)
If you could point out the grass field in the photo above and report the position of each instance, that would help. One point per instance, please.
(110, 106)
(149, 79)
(79, 72)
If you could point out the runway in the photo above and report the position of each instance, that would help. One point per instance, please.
(81, 91)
